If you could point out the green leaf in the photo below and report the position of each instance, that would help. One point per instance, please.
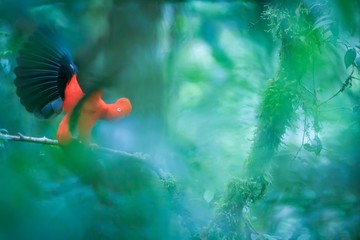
(314, 146)
(349, 57)
(317, 145)
(308, 147)
(208, 196)
(323, 24)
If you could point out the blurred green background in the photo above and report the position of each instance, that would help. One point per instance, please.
(197, 74)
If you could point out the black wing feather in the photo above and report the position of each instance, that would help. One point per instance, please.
(44, 67)
(30, 72)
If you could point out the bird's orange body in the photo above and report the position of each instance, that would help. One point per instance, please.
(92, 110)
(46, 82)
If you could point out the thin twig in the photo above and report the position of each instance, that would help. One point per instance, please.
(336, 108)
(345, 84)
(22, 138)
(330, 98)
(303, 139)
(250, 226)
(307, 89)
(47, 141)
(313, 80)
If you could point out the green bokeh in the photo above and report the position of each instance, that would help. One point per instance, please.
(214, 85)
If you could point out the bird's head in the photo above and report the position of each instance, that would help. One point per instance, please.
(120, 108)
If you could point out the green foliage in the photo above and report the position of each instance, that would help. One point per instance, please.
(231, 221)
(256, 128)
(240, 193)
(170, 185)
(349, 57)
(301, 23)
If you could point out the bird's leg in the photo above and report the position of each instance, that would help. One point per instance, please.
(63, 133)
(90, 113)
(85, 124)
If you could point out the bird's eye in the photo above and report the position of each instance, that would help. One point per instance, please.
(118, 109)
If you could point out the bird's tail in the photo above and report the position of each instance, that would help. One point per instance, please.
(44, 67)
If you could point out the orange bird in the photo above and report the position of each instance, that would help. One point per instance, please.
(46, 82)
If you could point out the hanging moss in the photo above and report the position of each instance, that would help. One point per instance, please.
(294, 27)
(276, 113)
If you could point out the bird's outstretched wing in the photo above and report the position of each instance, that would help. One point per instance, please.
(44, 67)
